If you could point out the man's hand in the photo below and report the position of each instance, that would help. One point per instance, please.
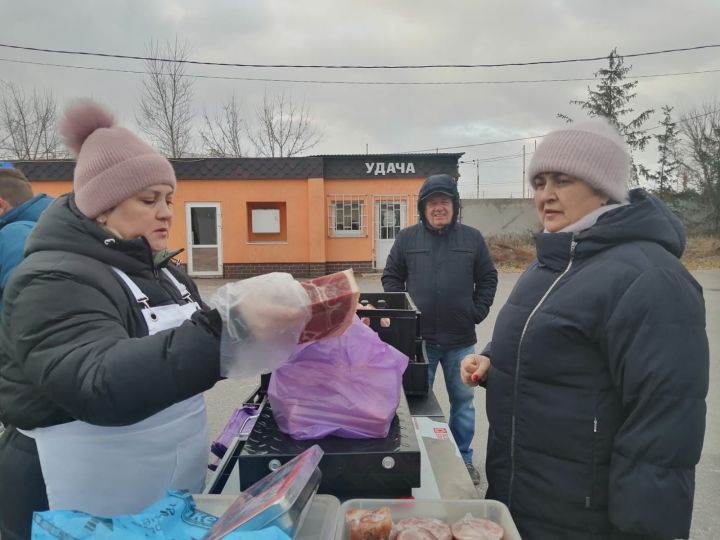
(474, 369)
(384, 322)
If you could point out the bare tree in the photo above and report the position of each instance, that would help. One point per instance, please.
(28, 123)
(284, 128)
(166, 103)
(223, 136)
(701, 127)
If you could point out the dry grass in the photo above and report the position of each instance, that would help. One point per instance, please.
(702, 253)
(513, 254)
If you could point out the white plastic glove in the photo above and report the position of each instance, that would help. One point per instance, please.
(263, 318)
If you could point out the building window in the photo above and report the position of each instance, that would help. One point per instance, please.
(347, 215)
(267, 222)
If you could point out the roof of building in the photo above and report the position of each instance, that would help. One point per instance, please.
(321, 166)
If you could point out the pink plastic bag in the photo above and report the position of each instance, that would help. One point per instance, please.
(348, 386)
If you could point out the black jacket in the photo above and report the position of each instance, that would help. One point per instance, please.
(448, 273)
(74, 342)
(596, 395)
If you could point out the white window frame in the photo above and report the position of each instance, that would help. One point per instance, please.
(333, 202)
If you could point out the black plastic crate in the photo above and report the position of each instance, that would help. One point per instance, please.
(404, 329)
(416, 379)
(404, 333)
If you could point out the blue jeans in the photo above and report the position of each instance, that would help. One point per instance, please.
(462, 408)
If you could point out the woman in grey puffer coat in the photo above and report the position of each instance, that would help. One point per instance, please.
(596, 392)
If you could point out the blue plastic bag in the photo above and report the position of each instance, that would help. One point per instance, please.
(173, 517)
(347, 386)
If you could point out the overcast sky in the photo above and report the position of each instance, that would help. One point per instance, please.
(382, 118)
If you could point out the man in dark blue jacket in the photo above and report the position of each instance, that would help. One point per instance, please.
(19, 211)
(447, 270)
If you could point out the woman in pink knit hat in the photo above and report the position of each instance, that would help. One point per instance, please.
(106, 345)
(597, 371)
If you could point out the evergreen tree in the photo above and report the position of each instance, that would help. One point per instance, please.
(668, 163)
(611, 99)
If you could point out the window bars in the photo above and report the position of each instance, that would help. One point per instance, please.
(347, 215)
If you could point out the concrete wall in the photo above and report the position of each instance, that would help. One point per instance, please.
(518, 217)
(501, 217)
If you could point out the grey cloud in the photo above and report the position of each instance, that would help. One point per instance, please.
(386, 118)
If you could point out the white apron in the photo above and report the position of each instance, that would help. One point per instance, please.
(109, 471)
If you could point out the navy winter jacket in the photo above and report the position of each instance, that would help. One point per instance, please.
(596, 395)
(448, 273)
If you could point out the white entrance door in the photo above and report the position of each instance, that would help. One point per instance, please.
(204, 239)
(390, 217)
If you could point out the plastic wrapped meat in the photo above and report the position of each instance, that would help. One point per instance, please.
(472, 528)
(419, 528)
(369, 524)
(416, 534)
(333, 300)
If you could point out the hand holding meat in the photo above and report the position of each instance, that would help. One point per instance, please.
(263, 306)
(263, 318)
(474, 369)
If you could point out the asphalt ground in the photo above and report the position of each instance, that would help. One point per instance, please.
(227, 395)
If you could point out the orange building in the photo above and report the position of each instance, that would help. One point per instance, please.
(240, 217)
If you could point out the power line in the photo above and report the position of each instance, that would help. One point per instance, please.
(493, 159)
(435, 149)
(488, 143)
(488, 184)
(358, 83)
(350, 66)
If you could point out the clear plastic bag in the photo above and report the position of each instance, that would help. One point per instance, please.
(263, 318)
(348, 386)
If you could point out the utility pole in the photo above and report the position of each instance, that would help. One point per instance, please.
(477, 178)
(523, 178)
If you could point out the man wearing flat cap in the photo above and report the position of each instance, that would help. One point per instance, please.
(446, 269)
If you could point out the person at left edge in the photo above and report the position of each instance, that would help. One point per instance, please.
(106, 346)
(19, 211)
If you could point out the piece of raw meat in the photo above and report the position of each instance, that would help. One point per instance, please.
(416, 534)
(431, 528)
(472, 528)
(333, 300)
(369, 524)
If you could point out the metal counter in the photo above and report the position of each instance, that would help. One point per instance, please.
(442, 471)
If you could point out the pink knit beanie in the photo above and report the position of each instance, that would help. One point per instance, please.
(112, 163)
(592, 151)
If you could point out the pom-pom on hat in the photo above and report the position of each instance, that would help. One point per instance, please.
(113, 163)
(592, 151)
